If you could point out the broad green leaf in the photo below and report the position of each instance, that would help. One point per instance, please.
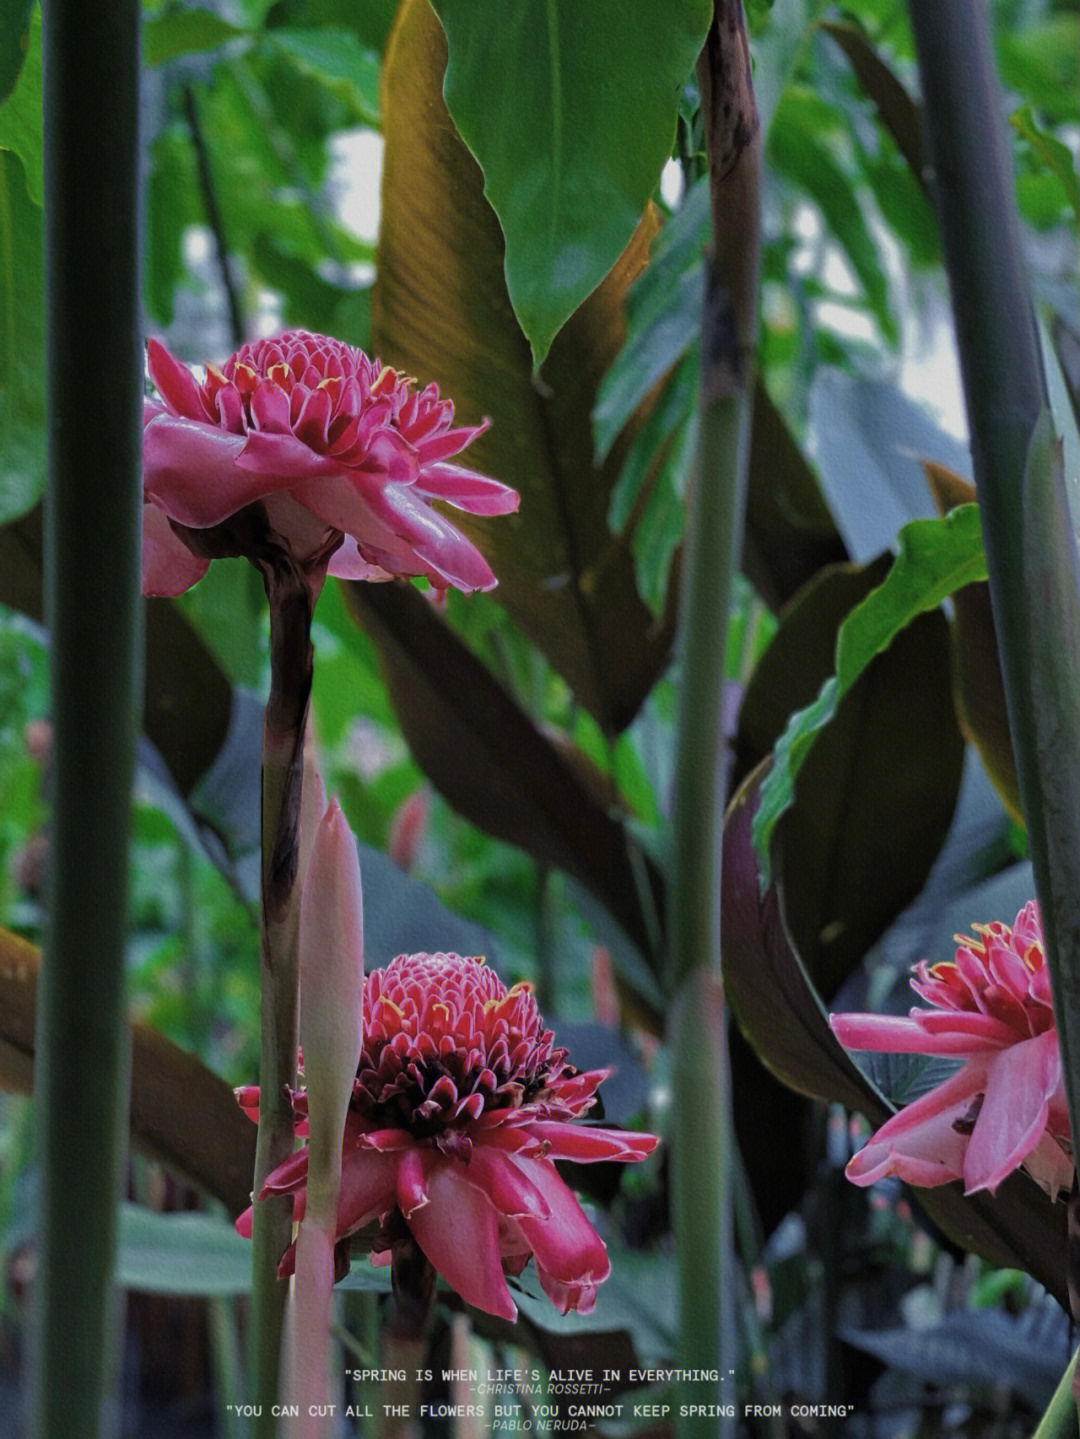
(878, 790)
(20, 115)
(22, 345)
(934, 558)
(800, 150)
(185, 1253)
(570, 111)
(185, 32)
(227, 610)
(440, 311)
(14, 42)
(336, 57)
(1051, 152)
(781, 1015)
(172, 204)
(789, 532)
(663, 317)
(978, 688)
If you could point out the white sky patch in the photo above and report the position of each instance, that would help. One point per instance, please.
(355, 180)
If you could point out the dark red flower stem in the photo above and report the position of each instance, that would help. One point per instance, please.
(291, 593)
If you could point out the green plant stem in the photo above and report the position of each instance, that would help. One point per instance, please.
(1034, 584)
(291, 605)
(701, 1151)
(1060, 1421)
(93, 509)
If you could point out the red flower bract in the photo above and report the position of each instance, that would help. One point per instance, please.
(341, 453)
(461, 1104)
(1005, 1106)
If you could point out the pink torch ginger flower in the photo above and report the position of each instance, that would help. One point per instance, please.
(1005, 1106)
(304, 443)
(460, 1106)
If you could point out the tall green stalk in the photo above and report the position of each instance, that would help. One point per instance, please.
(701, 1158)
(1030, 549)
(93, 516)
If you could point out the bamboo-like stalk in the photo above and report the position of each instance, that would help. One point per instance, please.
(93, 535)
(1031, 556)
(701, 1168)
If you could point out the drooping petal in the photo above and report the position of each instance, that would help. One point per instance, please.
(926, 1141)
(413, 1171)
(467, 490)
(954, 1033)
(458, 1230)
(1019, 1085)
(589, 1146)
(189, 468)
(578, 1298)
(565, 1244)
(367, 1188)
(168, 566)
(511, 1191)
(347, 563)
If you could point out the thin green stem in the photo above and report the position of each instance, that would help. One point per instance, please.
(93, 513)
(1060, 1421)
(701, 1153)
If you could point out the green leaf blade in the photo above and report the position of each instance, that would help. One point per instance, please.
(22, 345)
(14, 42)
(570, 111)
(934, 559)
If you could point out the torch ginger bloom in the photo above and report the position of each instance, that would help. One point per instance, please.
(461, 1105)
(304, 443)
(1005, 1106)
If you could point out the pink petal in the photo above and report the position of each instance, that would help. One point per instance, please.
(921, 1143)
(587, 1146)
(566, 1244)
(1019, 1085)
(270, 408)
(289, 1176)
(441, 446)
(458, 1230)
(1050, 1166)
(168, 566)
(512, 1192)
(413, 1170)
(347, 563)
(386, 1139)
(398, 529)
(467, 489)
(367, 1188)
(189, 468)
(961, 1033)
(285, 458)
(579, 1297)
(175, 383)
